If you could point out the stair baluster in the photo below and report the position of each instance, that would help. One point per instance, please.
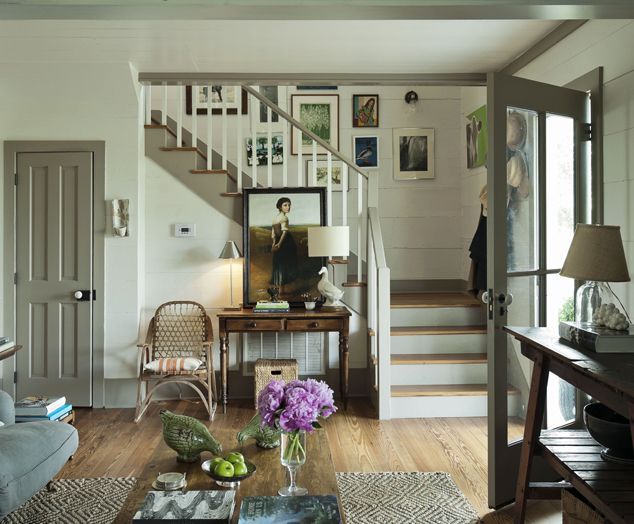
(195, 96)
(210, 129)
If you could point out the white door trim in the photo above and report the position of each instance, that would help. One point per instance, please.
(98, 148)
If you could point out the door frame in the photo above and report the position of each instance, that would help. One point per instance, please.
(98, 149)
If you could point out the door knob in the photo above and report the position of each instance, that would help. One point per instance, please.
(78, 295)
(84, 295)
(485, 297)
(505, 299)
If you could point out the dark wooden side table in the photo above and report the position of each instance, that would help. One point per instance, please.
(573, 454)
(321, 320)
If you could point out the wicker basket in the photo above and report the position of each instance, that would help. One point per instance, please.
(273, 369)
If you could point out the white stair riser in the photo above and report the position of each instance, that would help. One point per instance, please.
(433, 316)
(426, 344)
(446, 407)
(426, 374)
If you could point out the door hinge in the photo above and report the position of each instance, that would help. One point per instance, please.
(15, 278)
(586, 132)
(15, 179)
(15, 377)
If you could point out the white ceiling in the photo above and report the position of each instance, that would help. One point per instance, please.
(276, 46)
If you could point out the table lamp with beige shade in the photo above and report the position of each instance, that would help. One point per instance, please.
(230, 252)
(595, 256)
(329, 241)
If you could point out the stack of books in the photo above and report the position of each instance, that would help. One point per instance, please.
(264, 306)
(185, 506)
(261, 510)
(6, 343)
(598, 339)
(30, 409)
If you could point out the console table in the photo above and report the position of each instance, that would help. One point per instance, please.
(573, 454)
(321, 320)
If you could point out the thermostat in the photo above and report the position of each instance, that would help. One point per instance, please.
(185, 230)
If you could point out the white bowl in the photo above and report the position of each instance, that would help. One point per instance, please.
(309, 305)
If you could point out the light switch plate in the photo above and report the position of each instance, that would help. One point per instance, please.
(185, 230)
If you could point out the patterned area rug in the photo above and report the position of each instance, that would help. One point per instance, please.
(75, 501)
(403, 498)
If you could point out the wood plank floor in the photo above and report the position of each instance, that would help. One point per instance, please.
(112, 445)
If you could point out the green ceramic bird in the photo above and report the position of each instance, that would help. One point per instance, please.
(266, 437)
(187, 436)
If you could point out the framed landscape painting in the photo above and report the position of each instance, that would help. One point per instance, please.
(413, 153)
(365, 110)
(228, 94)
(320, 114)
(336, 174)
(276, 222)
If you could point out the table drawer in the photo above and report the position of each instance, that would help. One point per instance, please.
(254, 324)
(316, 324)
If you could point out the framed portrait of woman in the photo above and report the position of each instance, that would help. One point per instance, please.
(365, 110)
(276, 222)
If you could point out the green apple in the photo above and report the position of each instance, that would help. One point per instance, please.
(214, 462)
(239, 469)
(234, 457)
(224, 469)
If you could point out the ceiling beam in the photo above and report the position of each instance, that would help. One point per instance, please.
(321, 79)
(316, 10)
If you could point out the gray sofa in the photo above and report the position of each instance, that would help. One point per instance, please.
(31, 454)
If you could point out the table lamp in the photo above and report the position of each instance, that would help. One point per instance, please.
(329, 241)
(596, 256)
(230, 252)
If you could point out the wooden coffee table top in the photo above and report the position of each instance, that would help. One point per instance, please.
(317, 474)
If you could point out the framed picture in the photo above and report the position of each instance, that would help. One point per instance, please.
(262, 149)
(336, 175)
(276, 222)
(477, 138)
(320, 114)
(218, 94)
(272, 93)
(365, 110)
(317, 88)
(366, 151)
(413, 153)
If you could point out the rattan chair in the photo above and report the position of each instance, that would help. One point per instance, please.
(178, 329)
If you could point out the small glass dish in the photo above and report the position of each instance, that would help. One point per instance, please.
(228, 482)
(171, 481)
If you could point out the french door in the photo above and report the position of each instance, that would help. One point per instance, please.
(535, 164)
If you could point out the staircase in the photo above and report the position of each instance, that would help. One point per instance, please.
(438, 356)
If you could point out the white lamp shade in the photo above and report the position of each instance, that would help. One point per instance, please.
(329, 241)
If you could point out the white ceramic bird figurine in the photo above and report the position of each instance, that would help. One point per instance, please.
(332, 293)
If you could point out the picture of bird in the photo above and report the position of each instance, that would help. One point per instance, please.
(366, 151)
(364, 156)
(332, 293)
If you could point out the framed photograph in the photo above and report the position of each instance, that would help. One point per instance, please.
(262, 149)
(272, 93)
(218, 94)
(276, 222)
(366, 151)
(413, 153)
(320, 114)
(336, 175)
(477, 138)
(365, 110)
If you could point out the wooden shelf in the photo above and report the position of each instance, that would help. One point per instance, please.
(576, 456)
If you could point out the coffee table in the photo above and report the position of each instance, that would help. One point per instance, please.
(317, 474)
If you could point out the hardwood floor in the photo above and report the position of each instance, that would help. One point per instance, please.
(111, 444)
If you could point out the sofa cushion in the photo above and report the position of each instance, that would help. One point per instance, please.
(31, 454)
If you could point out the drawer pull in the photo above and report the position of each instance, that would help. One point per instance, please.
(253, 324)
(314, 324)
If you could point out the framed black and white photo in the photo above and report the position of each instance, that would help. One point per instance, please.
(276, 222)
(219, 95)
(413, 153)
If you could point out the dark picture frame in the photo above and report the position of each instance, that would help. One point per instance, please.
(215, 110)
(362, 116)
(288, 267)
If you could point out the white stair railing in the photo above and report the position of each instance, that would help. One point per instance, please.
(358, 208)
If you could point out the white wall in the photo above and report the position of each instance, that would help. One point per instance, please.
(84, 101)
(606, 43)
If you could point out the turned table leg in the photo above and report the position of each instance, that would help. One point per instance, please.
(224, 346)
(343, 367)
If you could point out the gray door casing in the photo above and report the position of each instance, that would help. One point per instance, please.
(13, 150)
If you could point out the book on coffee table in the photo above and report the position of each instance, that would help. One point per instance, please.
(263, 510)
(204, 506)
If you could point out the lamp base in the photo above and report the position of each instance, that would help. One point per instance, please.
(232, 308)
(590, 296)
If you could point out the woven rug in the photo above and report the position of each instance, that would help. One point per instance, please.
(75, 501)
(403, 498)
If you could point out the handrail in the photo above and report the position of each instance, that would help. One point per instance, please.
(304, 130)
(377, 237)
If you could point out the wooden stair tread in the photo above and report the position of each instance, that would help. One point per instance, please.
(440, 358)
(444, 390)
(354, 284)
(178, 149)
(437, 330)
(433, 300)
(334, 261)
(155, 126)
(209, 171)
(231, 194)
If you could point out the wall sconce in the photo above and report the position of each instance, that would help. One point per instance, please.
(411, 97)
(120, 217)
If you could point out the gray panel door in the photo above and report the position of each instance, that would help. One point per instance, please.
(54, 260)
(534, 172)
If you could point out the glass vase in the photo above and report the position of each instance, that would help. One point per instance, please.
(292, 456)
